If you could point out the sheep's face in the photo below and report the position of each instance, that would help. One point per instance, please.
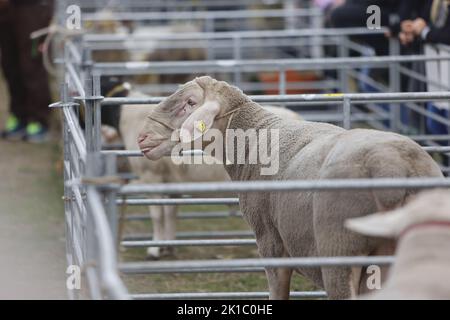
(176, 118)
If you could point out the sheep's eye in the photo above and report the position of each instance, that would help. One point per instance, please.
(191, 102)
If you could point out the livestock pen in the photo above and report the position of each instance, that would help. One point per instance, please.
(95, 192)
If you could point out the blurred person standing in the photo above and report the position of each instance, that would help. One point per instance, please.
(21, 61)
(430, 28)
(353, 13)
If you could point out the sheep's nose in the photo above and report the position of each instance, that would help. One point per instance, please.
(142, 137)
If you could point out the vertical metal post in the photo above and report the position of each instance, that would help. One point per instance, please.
(282, 81)
(68, 213)
(111, 195)
(289, 18)
(317, 50)
(343, 52)
(97, 139)
(237, 57)
(93, 169)
(347, 114)
(92, 103)
(209, 27)
(88, 116)
(394, 84)
(209, 24)
(86, 63)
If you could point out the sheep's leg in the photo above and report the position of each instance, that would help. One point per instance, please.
(338, 282)
(170, 220)
(356, 276)
(157, 215)
(373, 279)
(331, 209)
(279, 279)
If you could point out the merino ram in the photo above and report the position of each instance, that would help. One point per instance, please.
(296, 224)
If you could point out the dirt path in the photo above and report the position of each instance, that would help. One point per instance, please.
(32, 258)
(31, 224)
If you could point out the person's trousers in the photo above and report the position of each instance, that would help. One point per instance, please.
(21, 60)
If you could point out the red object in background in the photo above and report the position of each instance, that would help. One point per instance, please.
(292, 76)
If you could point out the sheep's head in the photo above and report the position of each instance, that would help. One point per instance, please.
(426, 207)
(186, 115)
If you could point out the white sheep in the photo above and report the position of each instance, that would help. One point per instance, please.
(296, 224)
(422, 228)
(132, 120)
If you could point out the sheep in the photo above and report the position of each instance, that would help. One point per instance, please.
(422, 263)
(132, 120)
(295, 224)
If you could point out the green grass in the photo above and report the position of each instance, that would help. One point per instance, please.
(206, 282)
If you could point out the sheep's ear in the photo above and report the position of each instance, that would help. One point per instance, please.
(200, 121)
(382, 224)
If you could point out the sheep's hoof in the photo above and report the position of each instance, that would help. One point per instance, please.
(168, 252)
(153, 253)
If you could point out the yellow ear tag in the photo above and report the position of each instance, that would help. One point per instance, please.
(201, 126)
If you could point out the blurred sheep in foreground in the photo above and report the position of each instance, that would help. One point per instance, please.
(422, 227)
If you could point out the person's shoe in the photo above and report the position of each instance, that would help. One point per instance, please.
(14, 129)
(36, 133)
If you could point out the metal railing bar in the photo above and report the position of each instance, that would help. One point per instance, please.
(357, 116)
(160, 4)
(191, 215)
(79, 257)
(74, 51)
(73, 160)
(78, 198)
(221, 46)
(430, 137)
(368, 80)
(78, 140)
(189, 243)
(107, 259)
(354, 97)
(138, 153)
(76, 80)
(422, 78)
(93, 283)
(285, 185)
(437, 149)
(427, 113)
(224, 295)
(195, 235)
(327, 85)
(376, 110)
(183, 67)
(195, 266)
(187, 201)
(94, 39)
(202, 15)
(352, 45)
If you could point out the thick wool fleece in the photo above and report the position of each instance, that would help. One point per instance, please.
(312, 224)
